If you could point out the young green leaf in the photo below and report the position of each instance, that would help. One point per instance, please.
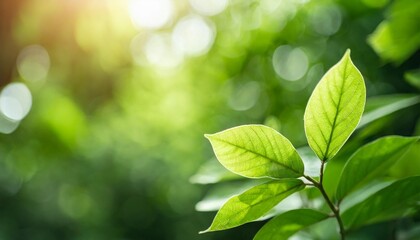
(335, 108)
(253, 203)
(285, 225)
(256, 151)
(388, 203)
(371, 161)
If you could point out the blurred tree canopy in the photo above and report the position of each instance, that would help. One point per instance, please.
(104, 103)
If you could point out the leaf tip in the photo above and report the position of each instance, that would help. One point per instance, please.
(348, 51)
(347, 54)
(204, 231)
(208, 136)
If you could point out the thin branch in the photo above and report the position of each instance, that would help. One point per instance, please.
(336, 210)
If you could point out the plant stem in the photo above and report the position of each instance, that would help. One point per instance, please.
(321, 174)
(335, 209)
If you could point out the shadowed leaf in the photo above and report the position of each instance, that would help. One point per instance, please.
(285, 225)
(371, 161)
(388, 203)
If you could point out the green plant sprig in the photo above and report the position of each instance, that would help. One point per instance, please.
(332, 114)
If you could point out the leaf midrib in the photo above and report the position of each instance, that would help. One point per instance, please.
(324, 158)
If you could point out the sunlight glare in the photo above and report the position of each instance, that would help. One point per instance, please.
(160, 51)
(209, 7)
(137, 49)
(15, 101)
(151, 14)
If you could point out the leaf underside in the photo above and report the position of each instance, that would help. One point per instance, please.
(335, 108)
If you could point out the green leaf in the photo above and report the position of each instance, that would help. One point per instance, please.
(256, 151)
(371, 161)
(406, 167)
(381, 106)
(413, 78)
(364, 193)
(391, 202)
(285, 225)
(253, 203)
(335, 108)
(398, 37)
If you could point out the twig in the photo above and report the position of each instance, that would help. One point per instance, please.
(335, 209)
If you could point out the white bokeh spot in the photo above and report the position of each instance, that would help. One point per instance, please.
(151, 14)
(193, 35)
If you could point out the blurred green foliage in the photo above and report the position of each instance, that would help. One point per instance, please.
(118, 115)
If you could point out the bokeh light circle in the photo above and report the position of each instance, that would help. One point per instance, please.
(151, 14)
(15, 101)
(209, 7)
(137, 49)
(245, 96)
(325, 19)
(159, 51)
(6, 125)
(193, 35)
(290, 63)
(33, 63)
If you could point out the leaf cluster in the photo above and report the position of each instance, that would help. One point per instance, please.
(363, 195)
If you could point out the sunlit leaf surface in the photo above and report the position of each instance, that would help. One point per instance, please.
(253, 203)
(335, 108)
(256, 151)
